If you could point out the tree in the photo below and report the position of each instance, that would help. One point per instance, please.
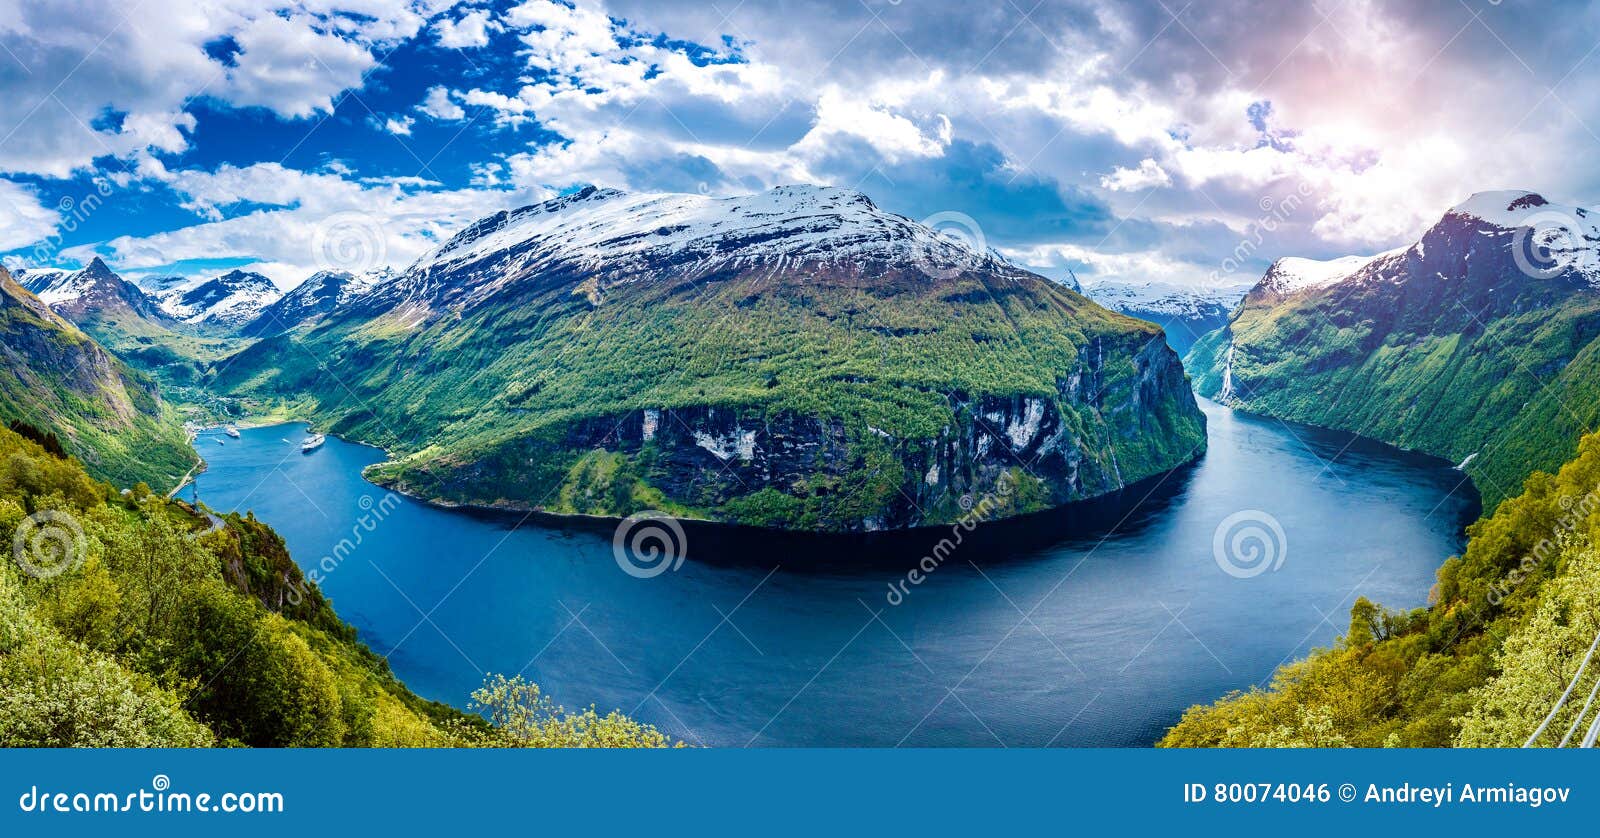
(523, 717)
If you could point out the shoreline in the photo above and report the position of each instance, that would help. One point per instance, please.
(1088, 517)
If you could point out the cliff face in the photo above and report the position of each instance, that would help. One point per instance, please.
(1097, 431)
(796, 359)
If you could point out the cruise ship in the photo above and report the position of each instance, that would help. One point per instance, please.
(312, 443)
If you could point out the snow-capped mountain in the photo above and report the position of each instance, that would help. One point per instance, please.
(1542, 239)
(92, 292)
(52, 376)
(230, 300)
(1165, 298)
(320, 294)
(614, 238)
(1479, 343)
(1293, 274)
(1184, 312)
(39, 278)
(796, 358)
(160, 285)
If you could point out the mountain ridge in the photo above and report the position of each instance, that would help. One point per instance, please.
(60, 380)
(228, 300)
(1185, 313)
(797, 358)
(1477, 343)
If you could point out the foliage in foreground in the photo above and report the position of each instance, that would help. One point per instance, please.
(1511, 619)
(171, 633)
(522, 717)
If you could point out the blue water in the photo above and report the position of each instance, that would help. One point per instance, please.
(1083, 627)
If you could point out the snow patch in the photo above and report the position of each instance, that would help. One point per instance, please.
(618, 231)
(1165, 298)
(1026, 427)
(741, 443)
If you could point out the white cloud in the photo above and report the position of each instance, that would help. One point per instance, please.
(439, 105)
(69, 63)
(896, 137)
(470, 30)
(404, 217)
(287, 65)
(23, 220)
(1148, 174)
(399, 125)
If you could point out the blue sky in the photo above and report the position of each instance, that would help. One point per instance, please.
(1122, 141)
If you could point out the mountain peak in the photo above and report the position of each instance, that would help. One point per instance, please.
(230, 299)
(627, 234)
(1511, 207)
(239, 276)
(1292, 274)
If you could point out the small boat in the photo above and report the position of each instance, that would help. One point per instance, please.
(220, 442)
(312, 443)
(231, 431)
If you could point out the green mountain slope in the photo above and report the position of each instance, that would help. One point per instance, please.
(132, 326)
(1448, 346)
(57, 379)
(801, 359)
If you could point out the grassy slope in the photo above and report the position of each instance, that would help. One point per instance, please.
(1416, 367)
(108, 415)
(1511, 619)
(468, 393)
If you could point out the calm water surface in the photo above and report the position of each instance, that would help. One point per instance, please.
(1093, 626)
